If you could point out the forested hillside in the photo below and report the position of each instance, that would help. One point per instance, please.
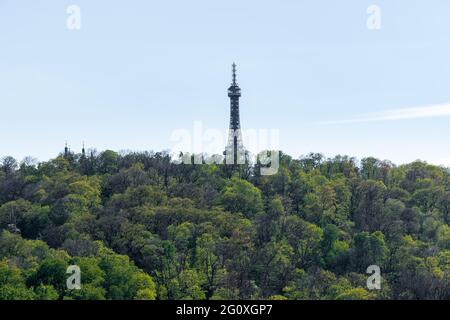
(143, 227)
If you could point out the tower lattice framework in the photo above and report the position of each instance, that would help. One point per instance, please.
(235, 152)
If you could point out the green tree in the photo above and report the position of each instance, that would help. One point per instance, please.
(242, 196)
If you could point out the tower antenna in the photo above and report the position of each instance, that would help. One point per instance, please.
(234, 74)
(66, 149)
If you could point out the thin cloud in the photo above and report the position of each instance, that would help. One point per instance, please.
(432, 111)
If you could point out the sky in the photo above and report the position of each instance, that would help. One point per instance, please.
(138, 72)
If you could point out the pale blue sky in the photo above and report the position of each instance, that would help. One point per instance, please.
(138, 70)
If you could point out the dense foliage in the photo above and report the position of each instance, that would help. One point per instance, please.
(141, 226)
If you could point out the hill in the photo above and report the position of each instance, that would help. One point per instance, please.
(140, 226)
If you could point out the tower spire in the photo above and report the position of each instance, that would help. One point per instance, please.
(66, 150)
(234, 74)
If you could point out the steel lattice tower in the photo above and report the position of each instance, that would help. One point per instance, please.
(235, 152)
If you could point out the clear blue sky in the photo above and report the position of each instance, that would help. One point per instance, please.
(138, 70)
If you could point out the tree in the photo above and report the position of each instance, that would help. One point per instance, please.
(208, 263)
(274, 267)
(369, 213)
(443, 237)
(8, 165)
(124, 280)
(50, 272)
(355, 294)
(46, 292)
(107, 162)
(335, 252)
(241, 196)
(305, 238)
(369, 249)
